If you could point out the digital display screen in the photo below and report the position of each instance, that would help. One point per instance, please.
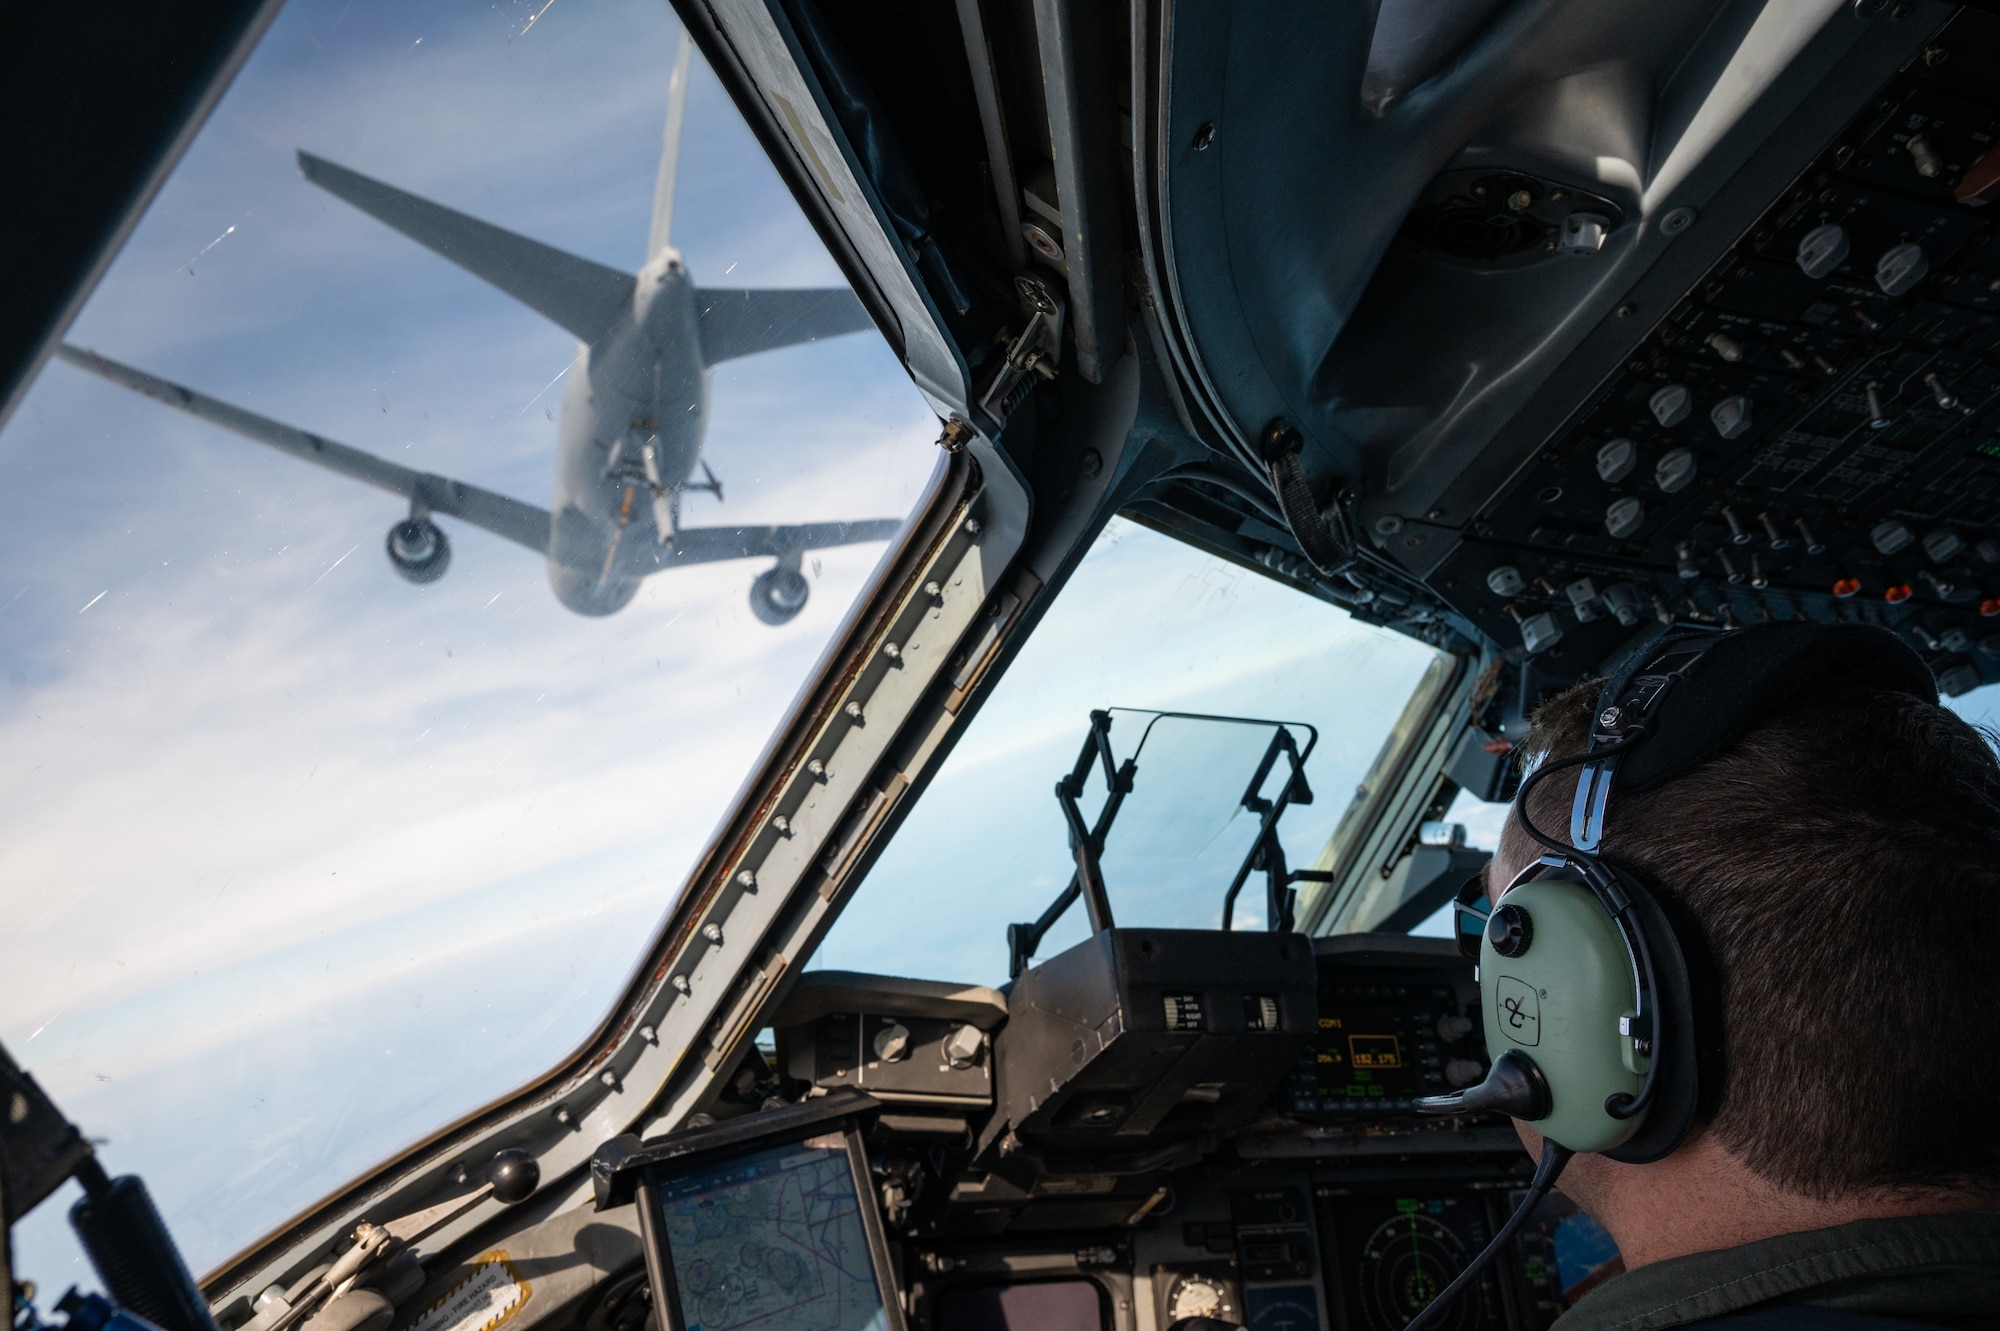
(1397, 1253)
(1380, 1046)
(1363, 1057)
(773, 1238)
(1375, 1052)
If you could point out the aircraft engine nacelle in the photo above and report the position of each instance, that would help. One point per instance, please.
(778, 594)
(418, 549)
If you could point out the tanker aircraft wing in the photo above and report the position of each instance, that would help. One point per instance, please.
(743, 322)
(523, 524)
(707, 545)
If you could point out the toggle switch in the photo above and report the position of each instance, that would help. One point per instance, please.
(1622, 600)
(1878, 414)
(1925, 156)
(1582, 595)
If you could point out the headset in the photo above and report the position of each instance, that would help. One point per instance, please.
(1597, 1027)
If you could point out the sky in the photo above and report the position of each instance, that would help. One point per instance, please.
(1144, 623)
(301, 860)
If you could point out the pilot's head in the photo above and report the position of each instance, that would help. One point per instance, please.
(1836, 869)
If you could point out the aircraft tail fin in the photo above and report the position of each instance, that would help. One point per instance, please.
(584, 297)
(670, 149)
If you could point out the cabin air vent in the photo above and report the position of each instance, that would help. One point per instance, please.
(1504, 219)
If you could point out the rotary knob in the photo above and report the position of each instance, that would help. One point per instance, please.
(963, 1045)
(892, 1042)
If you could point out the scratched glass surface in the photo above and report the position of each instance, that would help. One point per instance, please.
(1146, 622)
(302, 857)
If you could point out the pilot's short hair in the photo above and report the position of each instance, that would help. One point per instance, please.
(1841, 866)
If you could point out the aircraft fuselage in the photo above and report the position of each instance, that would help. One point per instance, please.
(633, 413)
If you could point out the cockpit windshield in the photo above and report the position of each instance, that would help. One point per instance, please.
(436, 508)
(1201, 671)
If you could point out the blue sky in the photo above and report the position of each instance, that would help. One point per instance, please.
(1145, 623)
(309, 859)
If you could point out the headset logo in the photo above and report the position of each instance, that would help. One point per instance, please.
(1520, 1010)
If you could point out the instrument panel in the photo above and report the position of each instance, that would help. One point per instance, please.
(1392, 1026)
(1335, 1209)
(1812, 431)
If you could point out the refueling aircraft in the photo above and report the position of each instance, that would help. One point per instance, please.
(634, 408)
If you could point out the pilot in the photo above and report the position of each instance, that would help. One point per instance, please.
(1838, 866)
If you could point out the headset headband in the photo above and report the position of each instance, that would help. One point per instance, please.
(1690, 695)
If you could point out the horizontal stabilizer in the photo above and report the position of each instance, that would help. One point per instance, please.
(523, 524)
(708, 545)
(584, 297)
(743, 323)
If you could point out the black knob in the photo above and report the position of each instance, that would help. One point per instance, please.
(1510, 931)
(514, 1175)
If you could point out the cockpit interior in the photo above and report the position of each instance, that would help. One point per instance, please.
(1171, 449)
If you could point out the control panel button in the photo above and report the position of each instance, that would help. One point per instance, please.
(1616, 459)
(963, 1045)
(1623, 517)
(1731, 416)
(1675, 470)
(1901, 268)
(1823, 250)
(1671, 405)
(892, 1042)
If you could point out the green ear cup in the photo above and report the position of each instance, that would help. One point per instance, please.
(1558, 1000)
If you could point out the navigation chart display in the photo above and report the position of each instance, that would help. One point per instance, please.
(773, 1239)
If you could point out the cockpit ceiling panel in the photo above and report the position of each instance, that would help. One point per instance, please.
(1294, 142)
(1813, 430)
